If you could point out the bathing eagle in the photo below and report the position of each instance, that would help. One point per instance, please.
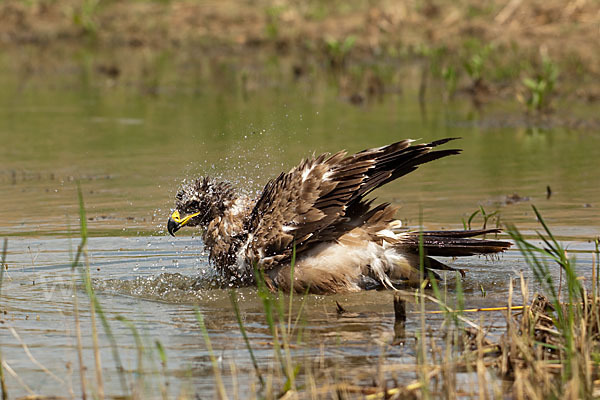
(318, 215)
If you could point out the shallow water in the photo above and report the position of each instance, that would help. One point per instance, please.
(130, 151)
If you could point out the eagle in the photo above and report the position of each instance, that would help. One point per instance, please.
(313, 229)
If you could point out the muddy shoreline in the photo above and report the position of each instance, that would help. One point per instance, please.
(543, 56)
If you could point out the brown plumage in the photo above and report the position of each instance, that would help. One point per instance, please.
(342, 242)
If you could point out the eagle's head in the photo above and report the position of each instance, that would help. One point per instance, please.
(199, 202)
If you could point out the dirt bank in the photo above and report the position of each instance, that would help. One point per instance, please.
(531, 51)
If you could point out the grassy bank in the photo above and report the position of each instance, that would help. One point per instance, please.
(541, 54)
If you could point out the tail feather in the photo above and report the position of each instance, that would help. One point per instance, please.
(454, 243)
(460, 234)
(432, 263)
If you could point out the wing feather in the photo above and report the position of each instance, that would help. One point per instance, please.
(316, 199)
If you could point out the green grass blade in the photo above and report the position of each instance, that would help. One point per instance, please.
(292, 270)
(2, 381)
(218, 380)
(138, 343)
(4, 252)
(471, 218)
(82, 217)
(304, 298)
(85, 276)
(236, 309)
(265, 296)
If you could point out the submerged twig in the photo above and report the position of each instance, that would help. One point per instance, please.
(482, 309)
(399, 309)
(443, 305)
(17, 377)
(32, 358)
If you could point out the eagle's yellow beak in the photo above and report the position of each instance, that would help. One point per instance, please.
(176, 222)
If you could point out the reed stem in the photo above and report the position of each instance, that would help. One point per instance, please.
(2, 382)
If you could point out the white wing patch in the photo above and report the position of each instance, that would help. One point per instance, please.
(387, 233)
(395, 224)
(306, 172)
(237, 207)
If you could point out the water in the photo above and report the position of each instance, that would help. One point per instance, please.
(130, 151)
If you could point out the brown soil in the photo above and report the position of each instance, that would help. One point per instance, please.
(520, 31)
(557, 26)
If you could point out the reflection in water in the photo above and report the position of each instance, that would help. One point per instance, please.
(128, 152)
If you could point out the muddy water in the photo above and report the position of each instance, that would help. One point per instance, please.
(130, 150)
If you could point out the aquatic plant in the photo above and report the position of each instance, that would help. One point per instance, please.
(450, 79)
(238, 315)
(435, 56)
(217, 372)
(486, 218)
(274, 306)
(535, 258)
(280, 328)
(95, 308)
(551, 349)
(2, 381)
(475, 61)
(541, 86)
(338, 50)
(85, 16)
(573, 337)
(272, 26)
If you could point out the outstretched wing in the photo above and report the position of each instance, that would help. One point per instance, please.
(324, 194)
